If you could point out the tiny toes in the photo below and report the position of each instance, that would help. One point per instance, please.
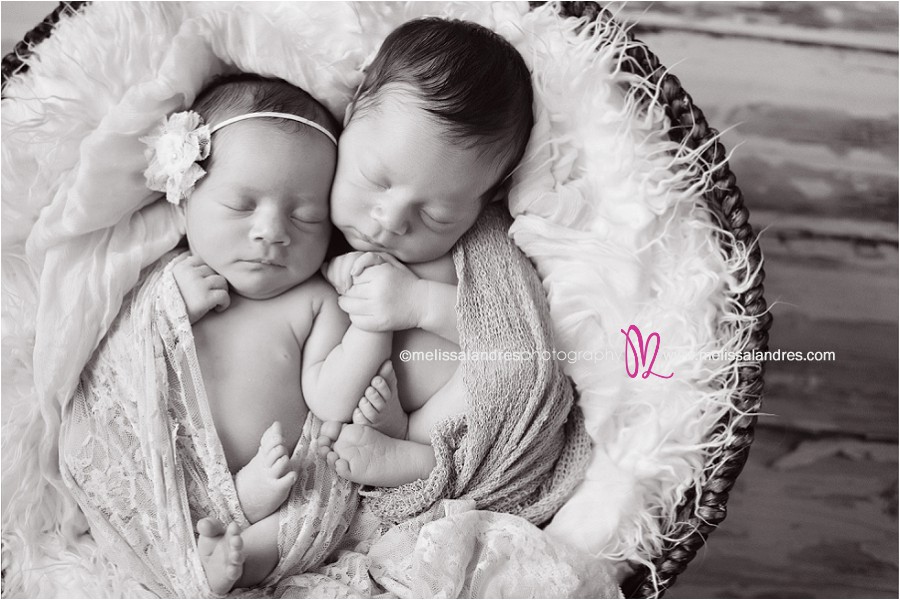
(359, 418)
(331, 429)
(368, 412)
(210, 527)
(386, 369)
(342, 468)
(375, 398)
(384, 391)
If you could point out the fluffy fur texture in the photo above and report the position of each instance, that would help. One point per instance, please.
(608, 209)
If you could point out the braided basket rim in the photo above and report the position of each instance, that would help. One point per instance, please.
(725, 202)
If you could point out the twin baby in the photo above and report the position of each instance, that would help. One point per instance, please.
(430, 139)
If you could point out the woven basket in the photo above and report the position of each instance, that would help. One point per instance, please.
(696, 520)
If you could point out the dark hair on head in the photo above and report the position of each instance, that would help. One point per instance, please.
(232, 95)
(467, 76)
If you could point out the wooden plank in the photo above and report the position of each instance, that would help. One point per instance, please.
(859, 17)
(728, 74)
(830, 278)
(813, 131)
(857, 25)
(797, 183)
(825, 528)
(855, 394)
(18, 18)
(796, 225)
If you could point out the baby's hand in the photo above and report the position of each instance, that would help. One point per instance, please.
(201, 288)
(341, 271)
(384, 297)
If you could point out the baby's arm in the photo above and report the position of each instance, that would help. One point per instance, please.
(202, 289)
(339, 361)
(437, 309)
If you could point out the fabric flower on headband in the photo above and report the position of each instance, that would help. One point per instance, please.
(173, 150)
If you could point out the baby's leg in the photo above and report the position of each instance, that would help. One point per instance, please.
(380, 407)
(265, 482)
(448, 401)
(261, 551)
(221, 553)
(365, 455)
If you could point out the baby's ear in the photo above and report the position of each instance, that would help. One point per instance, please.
(499, 192)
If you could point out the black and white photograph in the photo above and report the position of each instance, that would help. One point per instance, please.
(330, 299)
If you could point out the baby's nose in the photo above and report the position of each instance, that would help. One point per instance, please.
(392, 216)
(270, 227)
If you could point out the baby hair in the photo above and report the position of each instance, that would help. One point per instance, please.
(467, 76)
(233, 95)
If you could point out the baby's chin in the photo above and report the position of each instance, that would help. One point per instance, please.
(262, 293)
(257, 294)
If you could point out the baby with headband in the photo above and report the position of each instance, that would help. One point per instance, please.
(253, 163)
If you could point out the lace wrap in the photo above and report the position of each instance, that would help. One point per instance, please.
(139, 453)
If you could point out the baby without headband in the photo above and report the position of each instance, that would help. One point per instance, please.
(182, 140)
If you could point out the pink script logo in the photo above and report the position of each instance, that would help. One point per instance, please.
(639, 359)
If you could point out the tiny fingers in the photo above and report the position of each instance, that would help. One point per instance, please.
(204, 270)
(220, 299)
(216, 281)
(369, 259)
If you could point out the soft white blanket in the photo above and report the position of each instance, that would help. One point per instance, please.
(606, 207)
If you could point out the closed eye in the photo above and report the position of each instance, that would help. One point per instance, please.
(238, 205)
(383, 185)
(429, 219)
(307, 219)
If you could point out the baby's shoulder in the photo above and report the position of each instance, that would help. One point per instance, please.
(301, 304)
(313, 290)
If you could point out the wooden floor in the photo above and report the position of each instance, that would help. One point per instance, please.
(810, 89)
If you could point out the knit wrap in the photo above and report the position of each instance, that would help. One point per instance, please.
(521, 447)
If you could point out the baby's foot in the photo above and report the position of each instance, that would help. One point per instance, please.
(380, 407)
(365, 455)
(265, 482)
(221, 553)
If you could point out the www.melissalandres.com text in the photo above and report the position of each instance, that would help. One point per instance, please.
(573, 356)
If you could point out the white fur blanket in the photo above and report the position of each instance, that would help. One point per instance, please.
(607, 208)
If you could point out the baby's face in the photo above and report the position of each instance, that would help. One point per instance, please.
(402, 187)
(259, 217)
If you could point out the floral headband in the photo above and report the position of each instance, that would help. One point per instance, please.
(182, 140)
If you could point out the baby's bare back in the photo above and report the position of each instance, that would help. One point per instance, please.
(250, 357)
